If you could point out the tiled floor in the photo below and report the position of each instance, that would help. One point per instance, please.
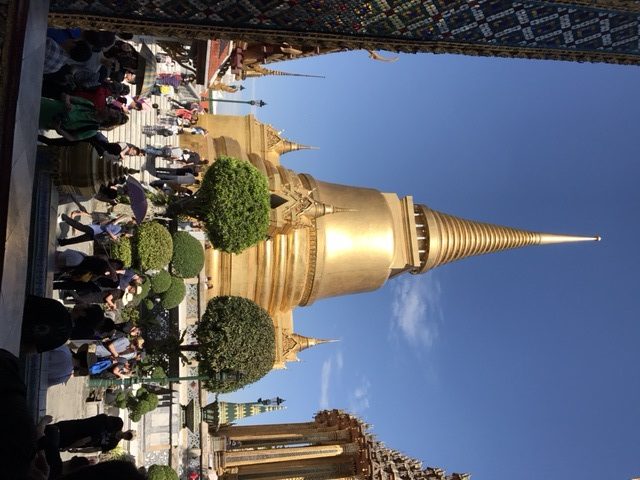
(12, 290)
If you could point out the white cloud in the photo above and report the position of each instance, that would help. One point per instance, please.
(329, 367)
(339, 360)
(359, 398)
(325, 378)
(416, 311)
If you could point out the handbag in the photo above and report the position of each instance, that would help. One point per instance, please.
(99, 367)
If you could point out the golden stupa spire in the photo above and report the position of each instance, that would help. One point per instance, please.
(444, 238)
(260, 71)
(320, 209)
(286, 146)
(302, 342)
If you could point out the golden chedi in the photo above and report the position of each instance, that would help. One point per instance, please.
(328, 240)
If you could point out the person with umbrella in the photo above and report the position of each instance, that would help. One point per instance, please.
(137, 199)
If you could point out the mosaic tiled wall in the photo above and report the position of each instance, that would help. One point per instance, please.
(579, 30)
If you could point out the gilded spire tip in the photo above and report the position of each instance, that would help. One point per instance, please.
(551, 238)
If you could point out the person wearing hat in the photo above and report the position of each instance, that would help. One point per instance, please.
(101, 432)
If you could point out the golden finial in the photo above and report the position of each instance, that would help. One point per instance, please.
(446, 238)
(260, 71)
(307, 342)
(317, 209)
(285, 146)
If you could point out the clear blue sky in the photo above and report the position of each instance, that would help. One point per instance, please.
(515, 365)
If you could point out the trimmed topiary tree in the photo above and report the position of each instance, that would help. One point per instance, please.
(236, 343)
(143, 402)
(122, 250)
(153, 246)
(233, 204)
(174, 294)
(161, 281)
(188, 255)
(161, 472)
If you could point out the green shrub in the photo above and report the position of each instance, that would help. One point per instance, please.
(121, 399)
(143, 402)
(233, 203)
(117, 453)
(130, 313)
(146, 288)
(161, 472)
(161, 281)
(236, 343)
(188, 255)
(153, 246)
(122, 250)
(174, 295)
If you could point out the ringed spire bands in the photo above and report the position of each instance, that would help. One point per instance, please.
(446, 238)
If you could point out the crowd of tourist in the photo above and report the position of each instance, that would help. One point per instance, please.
(88, 88)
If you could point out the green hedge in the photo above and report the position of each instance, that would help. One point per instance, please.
(188, 255)
(161, 472)
(153, 246)
(233, 203)
(143, 402)
(122, 250)
(161, 281)
(130, 313)
(174, 295)
(236, 339)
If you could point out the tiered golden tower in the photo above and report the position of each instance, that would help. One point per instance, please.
(335, 446)
(328, 240)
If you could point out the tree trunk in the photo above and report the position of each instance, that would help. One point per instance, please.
(185, 205)
(189, 348)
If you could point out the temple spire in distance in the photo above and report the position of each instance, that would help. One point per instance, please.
(260, 71)
(444, 238)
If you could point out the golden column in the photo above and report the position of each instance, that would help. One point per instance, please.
(270, 455)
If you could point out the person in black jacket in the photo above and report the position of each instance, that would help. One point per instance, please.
(99, 433)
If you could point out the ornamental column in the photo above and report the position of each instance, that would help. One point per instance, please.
(275, 455)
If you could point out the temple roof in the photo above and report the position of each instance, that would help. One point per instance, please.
(378, 462)
(574, 30)
(218, 413)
